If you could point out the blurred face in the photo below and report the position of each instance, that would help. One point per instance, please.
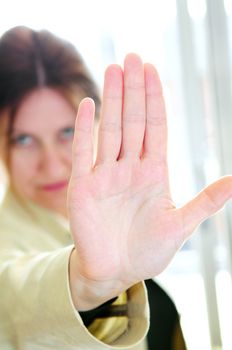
(40, 151)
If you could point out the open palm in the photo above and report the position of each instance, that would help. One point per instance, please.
(124, 223)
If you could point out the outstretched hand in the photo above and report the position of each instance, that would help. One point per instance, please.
(124, 224)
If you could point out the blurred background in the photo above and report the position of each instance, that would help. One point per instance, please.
(190, 42)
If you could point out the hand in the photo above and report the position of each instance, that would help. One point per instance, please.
(124, 224)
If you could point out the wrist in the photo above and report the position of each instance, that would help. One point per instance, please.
(88, 294)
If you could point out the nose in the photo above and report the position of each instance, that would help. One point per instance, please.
(54, 163)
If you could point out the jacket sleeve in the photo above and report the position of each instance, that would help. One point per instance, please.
(36, 308)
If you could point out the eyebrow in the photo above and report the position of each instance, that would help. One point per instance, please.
(21, 131)
(18, 131)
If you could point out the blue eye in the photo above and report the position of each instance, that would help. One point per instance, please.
(22, 140)
(67, 133)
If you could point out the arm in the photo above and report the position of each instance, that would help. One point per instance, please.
(37, 308)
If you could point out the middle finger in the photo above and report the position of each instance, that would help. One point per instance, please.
(134, 107)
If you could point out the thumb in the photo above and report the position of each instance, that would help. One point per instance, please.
(206, 203)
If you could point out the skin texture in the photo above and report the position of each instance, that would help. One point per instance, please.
(125, 225)
(40, 154)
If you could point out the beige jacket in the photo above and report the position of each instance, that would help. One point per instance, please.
(36, 309)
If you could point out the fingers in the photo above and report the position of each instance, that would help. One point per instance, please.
(134, 107)
(82, 152)
(206, 203)
(155, 142)
(110, 129)
(122, 124)
(133, 117)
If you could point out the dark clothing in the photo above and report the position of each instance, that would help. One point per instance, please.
(165, 331)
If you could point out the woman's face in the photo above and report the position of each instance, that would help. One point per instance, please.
(40, 149)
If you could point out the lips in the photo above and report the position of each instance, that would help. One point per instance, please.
(55, 186)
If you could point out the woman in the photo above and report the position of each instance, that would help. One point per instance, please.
(124, 226)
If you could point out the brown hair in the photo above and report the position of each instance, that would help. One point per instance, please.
(32, 59)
